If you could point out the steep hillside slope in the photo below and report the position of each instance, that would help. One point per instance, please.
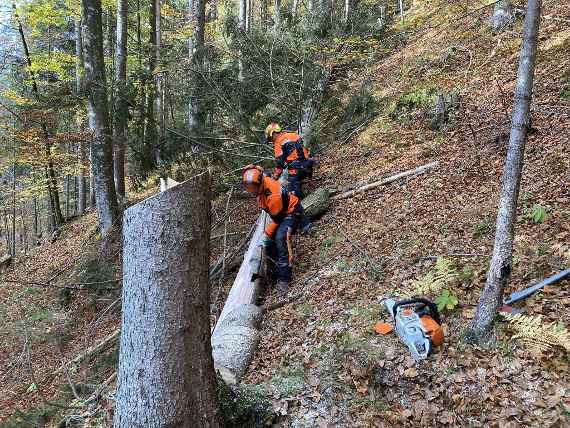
(319, 358)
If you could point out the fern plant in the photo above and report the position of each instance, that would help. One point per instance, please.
(443, 274)
(533, 332)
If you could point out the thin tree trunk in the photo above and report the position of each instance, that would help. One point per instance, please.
(121, 107)
(36, 224)
(401, 5)
(294, 10)
(346, 14)
(501, 263)
(13, 249)
(242, 25)
(166, 372)
(101, 147)
(196, 54)
(249, 23)
(51, 179)
(111, 73)
(81, 177)
(159, 88)
(24, 232)
(277, 15)
(150, 126)
(7, 236)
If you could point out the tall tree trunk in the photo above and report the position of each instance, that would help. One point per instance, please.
(150, 125)
(277, 15)
(501, 263)
(197, 10)
(166, 373)
(81, 177)
(294, 10)
(159, 88)
(92, 199)
(13, 248)
(401, 6)
(249, 21)
(110, 41)
(346, 13)
(242, 27)
(121, 106)
(101, 147)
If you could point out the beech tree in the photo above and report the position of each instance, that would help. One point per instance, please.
(101, 146)
(501, 263)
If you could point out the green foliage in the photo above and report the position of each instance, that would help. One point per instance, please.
(442, 275)
(42, 315)
(30, 418)
(402, 109)
(446, 301)
(484, 227)
(361, 108)
(537, 214)
(538, 335)
(245, 405)
(328, 243)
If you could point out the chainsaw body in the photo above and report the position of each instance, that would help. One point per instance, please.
(418, 325)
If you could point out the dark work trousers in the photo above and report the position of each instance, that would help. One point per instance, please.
(294, 185)
(294, 182)
(279, 251)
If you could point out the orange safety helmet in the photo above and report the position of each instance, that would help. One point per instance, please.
(252, 177)
(271, 128)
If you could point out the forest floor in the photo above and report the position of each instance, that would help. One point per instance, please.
(319, 358)
(319, 361)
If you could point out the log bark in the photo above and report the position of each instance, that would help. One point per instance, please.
(417, 171)
(166, 373)
(501, 263)
(316, 203)
(236, 334)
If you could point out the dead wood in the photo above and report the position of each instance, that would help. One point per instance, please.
(388, 180)
(93, 350)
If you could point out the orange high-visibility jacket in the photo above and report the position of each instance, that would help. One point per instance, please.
(276, 201)
(288, 148)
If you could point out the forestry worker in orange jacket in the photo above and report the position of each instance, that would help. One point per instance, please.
(285, 210)
(290, 154)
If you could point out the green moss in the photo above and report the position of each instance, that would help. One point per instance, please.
(245, 406)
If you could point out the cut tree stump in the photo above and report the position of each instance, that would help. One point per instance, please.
(316, 203)
(236, 334)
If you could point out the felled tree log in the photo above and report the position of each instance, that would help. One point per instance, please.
(387, 180)
(316, 203)
(236, 334)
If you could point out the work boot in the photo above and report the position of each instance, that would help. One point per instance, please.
(306, 229)
(282, 288)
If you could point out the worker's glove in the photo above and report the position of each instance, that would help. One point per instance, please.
(267, 242)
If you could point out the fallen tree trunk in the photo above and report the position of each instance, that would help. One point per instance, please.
(236, 334)
(93, 350)
(417, 171)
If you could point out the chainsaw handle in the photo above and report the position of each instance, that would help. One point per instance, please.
(432, 307)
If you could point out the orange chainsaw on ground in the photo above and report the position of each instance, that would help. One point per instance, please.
(417, 323)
